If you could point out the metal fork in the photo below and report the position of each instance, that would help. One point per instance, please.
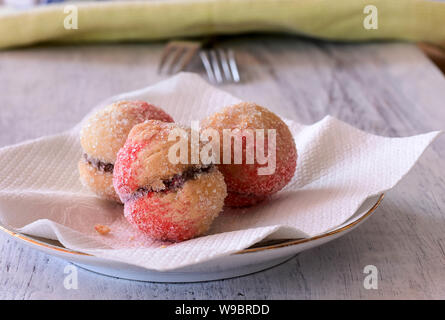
(177, 55)
(216, 59)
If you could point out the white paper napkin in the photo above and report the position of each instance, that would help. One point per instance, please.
(339, 167)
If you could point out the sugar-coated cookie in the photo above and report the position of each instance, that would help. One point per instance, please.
(166, 200)
(244, 185)
(101, 137)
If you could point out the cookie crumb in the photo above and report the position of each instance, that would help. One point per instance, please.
(163, 246)
(103, 230)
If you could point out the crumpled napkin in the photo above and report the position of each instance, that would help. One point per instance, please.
(339, 167)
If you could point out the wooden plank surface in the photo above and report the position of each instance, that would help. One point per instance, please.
(386, 89)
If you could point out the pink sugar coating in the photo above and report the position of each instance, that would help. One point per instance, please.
(242, 200)
(151, 112)
(124, 181)
(245, 187)
(152, 216)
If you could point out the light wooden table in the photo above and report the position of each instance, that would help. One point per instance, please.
(386, 89)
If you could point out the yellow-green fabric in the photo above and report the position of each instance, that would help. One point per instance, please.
(411, 20)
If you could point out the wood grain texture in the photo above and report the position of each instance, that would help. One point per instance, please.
(386, 89)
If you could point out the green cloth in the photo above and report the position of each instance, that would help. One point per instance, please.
(411, 20)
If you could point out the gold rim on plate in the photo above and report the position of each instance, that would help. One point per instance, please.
(284, 243)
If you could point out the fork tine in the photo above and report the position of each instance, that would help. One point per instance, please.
(206, 62)
(233, 66)
(225, 64)
(176, 57)
(215, 64)
(165, 54)
(188, 56)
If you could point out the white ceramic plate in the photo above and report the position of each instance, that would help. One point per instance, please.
(254, 259)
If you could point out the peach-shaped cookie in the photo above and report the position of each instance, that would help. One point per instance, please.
(101, 137)
(245, 186)
(164, 199)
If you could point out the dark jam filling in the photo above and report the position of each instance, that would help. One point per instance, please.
(99, 165)
(177, 181)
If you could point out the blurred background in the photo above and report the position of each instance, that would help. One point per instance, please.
(409, 20)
